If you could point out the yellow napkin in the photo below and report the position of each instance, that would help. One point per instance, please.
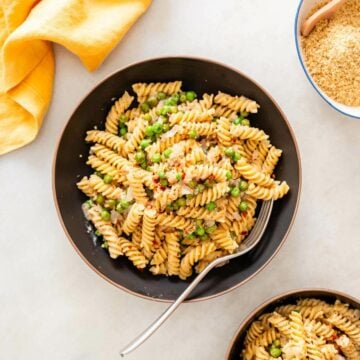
(88, 28)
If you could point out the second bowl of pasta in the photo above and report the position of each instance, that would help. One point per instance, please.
(167, 173)
(300, 324)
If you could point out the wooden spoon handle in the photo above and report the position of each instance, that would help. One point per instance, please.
(324, 13)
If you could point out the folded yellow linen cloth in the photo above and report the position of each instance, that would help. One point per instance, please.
(88, 28)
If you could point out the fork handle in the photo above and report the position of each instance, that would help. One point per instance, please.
(165, 315)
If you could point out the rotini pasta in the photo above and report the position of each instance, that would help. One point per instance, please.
(176, 183)
(236, 103)
(143, 90)
(118, 109)
(290, 332)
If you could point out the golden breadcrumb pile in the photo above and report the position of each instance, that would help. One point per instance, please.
(332, 54)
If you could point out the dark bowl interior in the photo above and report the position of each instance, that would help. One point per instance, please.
(289, 298)
(201, 76)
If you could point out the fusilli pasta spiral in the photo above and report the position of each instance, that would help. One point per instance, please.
(176, 183)
(291, 332)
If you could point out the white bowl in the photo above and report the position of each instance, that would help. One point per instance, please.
(303, 9)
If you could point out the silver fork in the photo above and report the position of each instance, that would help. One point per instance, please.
(248, 244)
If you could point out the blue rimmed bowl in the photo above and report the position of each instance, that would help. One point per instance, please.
(303, 10)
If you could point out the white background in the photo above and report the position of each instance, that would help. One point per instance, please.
(52, 306)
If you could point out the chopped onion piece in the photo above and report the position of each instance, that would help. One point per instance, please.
(185, 190)
(85, 208)
(114, 216)
(171, 132)
(236, 216)
(129, 194)
(209, 223)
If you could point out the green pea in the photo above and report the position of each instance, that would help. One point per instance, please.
(163, 182)
(124, 204)
(200, 231)
(173, 109)
(97, 233)
(162, 175)
(229, 152)
(228, 175)
(243, 206)
(236, 157)
(193, 134)
(156, 158)
(169, 207)
(200, 187)
(157, 128)
(276, 343)
(105, 245)
(204, 237)
(243, 185)
(181, 202)
(244, 114)
(245, 122)
(199, 223)
(152, 101)
(110, 204)
(176, 206)
(166, 127)
(192, 184)
(145, 143)
(275, 352)
(176, 97)
(182, 97)
(191, 95)
(235, 192)
(161, 95)
(145, 107)
(119, 208)
(211, 229)
(108, 179)
(100, 199)
(89, 203)
(123, 119)
(211, 206)
(170, 102)
(189, 196)
(165, 110)
(178, 176)
(190, 236)
(140, 157)
(147, 117)
(238, 120)
(105, 215)
(123, 130)
(167, 153)
(149, 131)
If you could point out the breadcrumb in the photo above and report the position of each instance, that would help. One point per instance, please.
(332, 53)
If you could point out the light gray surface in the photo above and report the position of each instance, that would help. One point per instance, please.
(54, 307)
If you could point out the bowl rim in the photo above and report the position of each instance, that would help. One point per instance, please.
(201, 59)
(312, 82)
(274, 298)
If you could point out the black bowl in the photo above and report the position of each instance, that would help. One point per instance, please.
(289, 297)
(202, 76)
